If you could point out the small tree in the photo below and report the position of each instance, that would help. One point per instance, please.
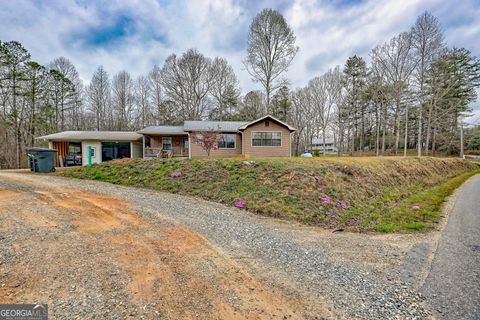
(208, 140)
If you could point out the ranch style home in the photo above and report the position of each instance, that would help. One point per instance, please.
(264, 137)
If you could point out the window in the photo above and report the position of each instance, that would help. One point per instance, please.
(227, 141)
(267, 123)
(185, 143)
(75, 149)
(92, 151)
(167, 143)
(115, 150)
(266, 139)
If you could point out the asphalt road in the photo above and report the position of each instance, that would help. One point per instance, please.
(452, 287)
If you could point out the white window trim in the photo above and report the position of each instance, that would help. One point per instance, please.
(281, 140)
(234, 141)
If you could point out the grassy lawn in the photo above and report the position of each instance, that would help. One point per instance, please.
(359, 194)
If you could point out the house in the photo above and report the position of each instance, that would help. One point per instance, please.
(105, 145)
(317, 145)
(264, 137)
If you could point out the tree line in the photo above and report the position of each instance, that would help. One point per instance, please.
(412, 93)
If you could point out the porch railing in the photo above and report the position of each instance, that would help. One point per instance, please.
(160, 153)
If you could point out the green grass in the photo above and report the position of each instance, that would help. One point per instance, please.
(421, 209)
(358, 194)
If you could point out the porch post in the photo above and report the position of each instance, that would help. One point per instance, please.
(189, 146)
(143, 146)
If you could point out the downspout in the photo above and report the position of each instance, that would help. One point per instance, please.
(143, 146)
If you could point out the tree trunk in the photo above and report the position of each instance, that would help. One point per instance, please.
(461, 138)
(377, 129)
(419, 141)
(406, 133)
(323, 137)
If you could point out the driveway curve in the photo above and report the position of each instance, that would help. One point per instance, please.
(452, 287)
(304, 272)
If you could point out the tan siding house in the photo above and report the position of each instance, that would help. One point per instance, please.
(255, 148)
(198, 152)
(264, 137)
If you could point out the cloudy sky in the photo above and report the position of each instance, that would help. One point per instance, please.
(135, 35)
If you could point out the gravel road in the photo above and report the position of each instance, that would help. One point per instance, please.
(452, 287)
(110, 251)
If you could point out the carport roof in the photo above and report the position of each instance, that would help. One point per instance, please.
(93, 136)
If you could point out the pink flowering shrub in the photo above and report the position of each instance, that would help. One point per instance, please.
(176, 174)
(326, 200)
(240, 203)
(344, 205)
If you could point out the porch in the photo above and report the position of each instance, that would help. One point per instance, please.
(165, 146)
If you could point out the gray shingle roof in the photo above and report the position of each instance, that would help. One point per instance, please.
(162, 130)
(225, 126)
(93, 135)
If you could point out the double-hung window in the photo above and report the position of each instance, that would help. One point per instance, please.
(227, 141)
(266, 139)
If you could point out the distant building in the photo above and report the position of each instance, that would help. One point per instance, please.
(317, 145)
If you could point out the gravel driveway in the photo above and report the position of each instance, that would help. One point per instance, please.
(110, 251)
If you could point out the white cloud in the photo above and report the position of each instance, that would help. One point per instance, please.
(328, 32)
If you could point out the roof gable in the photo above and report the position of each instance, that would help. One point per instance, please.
(246, 125)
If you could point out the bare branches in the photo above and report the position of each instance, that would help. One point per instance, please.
(271, 49)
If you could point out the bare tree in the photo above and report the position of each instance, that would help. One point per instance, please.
(187, 81)
(98, 96)
(428, 42)
(299, 118)
(397, 62)
(271, 49)
(66, 86)
(123, 99)
(142, 95)
(155, 90)
(225, 90)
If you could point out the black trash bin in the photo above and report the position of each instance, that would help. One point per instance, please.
(41, 159)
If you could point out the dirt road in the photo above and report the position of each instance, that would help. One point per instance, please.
(94, 250)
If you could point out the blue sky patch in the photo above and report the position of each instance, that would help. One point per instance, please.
(121, 27)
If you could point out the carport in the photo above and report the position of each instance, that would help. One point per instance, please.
(104, 145)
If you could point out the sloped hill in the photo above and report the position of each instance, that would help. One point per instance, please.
(383, 194)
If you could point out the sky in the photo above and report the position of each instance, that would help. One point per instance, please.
(137, 34)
